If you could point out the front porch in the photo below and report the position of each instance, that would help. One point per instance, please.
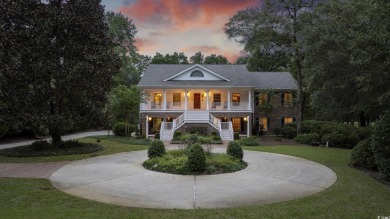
(181, 100)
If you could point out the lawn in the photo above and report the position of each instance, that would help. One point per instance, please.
(111, 145)
(354, 195)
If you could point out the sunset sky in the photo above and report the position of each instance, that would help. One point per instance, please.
(188, 26)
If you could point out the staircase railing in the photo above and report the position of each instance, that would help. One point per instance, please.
(231, 129)
(216, 123)
(162, 130)
(178, 121)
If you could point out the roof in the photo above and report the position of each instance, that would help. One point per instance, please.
(163, 75)
(274, 80)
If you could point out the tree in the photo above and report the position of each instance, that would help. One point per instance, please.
(214, 59)
(348, 60)
(276, 27)
(197, 58)
(122, 32)
(56, 63)
(176, 58)
(125, 101)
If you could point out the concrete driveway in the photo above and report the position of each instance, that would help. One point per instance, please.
(120, 179)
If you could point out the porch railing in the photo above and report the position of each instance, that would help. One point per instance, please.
(215, 122)
(178, 121)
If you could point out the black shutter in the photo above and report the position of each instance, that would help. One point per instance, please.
(282, 121)
(294, 119)
(282, 99)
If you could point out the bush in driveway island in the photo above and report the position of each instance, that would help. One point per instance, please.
(234, 149)
(196, 158)
(156, 149)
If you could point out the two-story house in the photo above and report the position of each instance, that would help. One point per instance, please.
(223, 98)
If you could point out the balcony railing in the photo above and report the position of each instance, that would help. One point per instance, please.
(213, 106)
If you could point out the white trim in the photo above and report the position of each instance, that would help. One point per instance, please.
(194, 66)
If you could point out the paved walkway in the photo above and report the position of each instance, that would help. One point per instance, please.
(64, 138)
(120, 179)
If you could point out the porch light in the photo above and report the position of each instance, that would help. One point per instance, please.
(150, 118)
(245, 119)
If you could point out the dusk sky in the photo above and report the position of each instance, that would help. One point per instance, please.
(188, 26)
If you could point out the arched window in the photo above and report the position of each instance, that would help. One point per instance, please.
(196, 74)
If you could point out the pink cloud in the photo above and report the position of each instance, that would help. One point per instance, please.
(146, 45)
(182, 14)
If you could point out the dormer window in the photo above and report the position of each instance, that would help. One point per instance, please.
(196, 74)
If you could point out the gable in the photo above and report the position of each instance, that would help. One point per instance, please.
(196, 73)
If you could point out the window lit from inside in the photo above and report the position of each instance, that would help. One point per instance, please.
(236, 99)
(288, 99)
(176, 99)
(263, 99)
(217, 99)
(157, 99)
(288, 120)
(263, 124)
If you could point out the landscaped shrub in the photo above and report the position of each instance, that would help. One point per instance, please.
(197, 130)
(213, 133)
(362, 155)
(192, 140)
(289, 130)
(312, 139)
(176, 135)
(236, 136)
(196, 159)
(157, 136)
(143, 136)
(312, 126)
(251, 141)
(234, 149)
(156, 149)
(381, 144)
(363, 132)
(120, 127)
(216, 138)
(340, 140)
(41, 145)
(71, 144)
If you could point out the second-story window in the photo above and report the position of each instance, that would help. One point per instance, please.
(236, 99)
(217, 99)
(287, 99)
(176, 99)
(263, 99)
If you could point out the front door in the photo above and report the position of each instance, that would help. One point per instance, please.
(196, 100)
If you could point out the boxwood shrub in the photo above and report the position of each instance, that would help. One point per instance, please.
(310, 139)
(362, 155)
(156, 149)
(120, 127)
(381, 144)
(196, 158)
(234, 149)
(289, 130)
(251, 141)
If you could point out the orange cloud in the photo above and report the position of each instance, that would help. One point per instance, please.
(184, 14)
(146, 45)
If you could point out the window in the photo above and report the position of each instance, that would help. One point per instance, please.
(287, 99)
(196, 74)
(263, 99)
(236, 99)
(217, 99)
(263, 124)
(176, 99)
(287, 120)
(157, 99)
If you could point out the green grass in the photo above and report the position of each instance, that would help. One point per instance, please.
(354, 195)
(110, 146)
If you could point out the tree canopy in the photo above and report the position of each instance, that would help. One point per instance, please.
(175, 58)
(56, 64)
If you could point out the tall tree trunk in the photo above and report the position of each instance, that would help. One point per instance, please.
(299, 97)
(55, 133)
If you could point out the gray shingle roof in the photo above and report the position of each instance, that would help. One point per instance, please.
(238, 76)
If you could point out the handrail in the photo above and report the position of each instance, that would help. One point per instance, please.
(231, 129)
(176, 122)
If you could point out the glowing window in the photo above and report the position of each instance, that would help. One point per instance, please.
(196, 74)
(263, 124)
(288, 120)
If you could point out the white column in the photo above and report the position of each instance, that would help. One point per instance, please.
(165, 99)
(147, 126)
(249, 99)
(247, 128)
(185, 100)
(228, 99)
(207, 99)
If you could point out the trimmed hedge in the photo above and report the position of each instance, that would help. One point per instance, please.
(251, 141)
(234, 149)
(362, 155)
(156, 149)
(381, 144)
(340, 140)
(312, 139)
(120, 127)
(176, 135)
(289, 130)
(196, 158)
(236, 136)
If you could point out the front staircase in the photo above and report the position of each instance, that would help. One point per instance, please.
(196, 117)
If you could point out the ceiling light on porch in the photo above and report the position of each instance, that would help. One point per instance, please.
(150, 118)
(245, 118)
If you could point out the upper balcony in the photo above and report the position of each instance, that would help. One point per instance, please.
(198, 99)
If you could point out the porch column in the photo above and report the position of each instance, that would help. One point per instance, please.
(207, 99)
(228, 99)
(147, 127)
(185, 100)
(165, 99)
(249, 99)
(247, 128)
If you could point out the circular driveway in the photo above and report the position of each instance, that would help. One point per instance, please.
(121, 179)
